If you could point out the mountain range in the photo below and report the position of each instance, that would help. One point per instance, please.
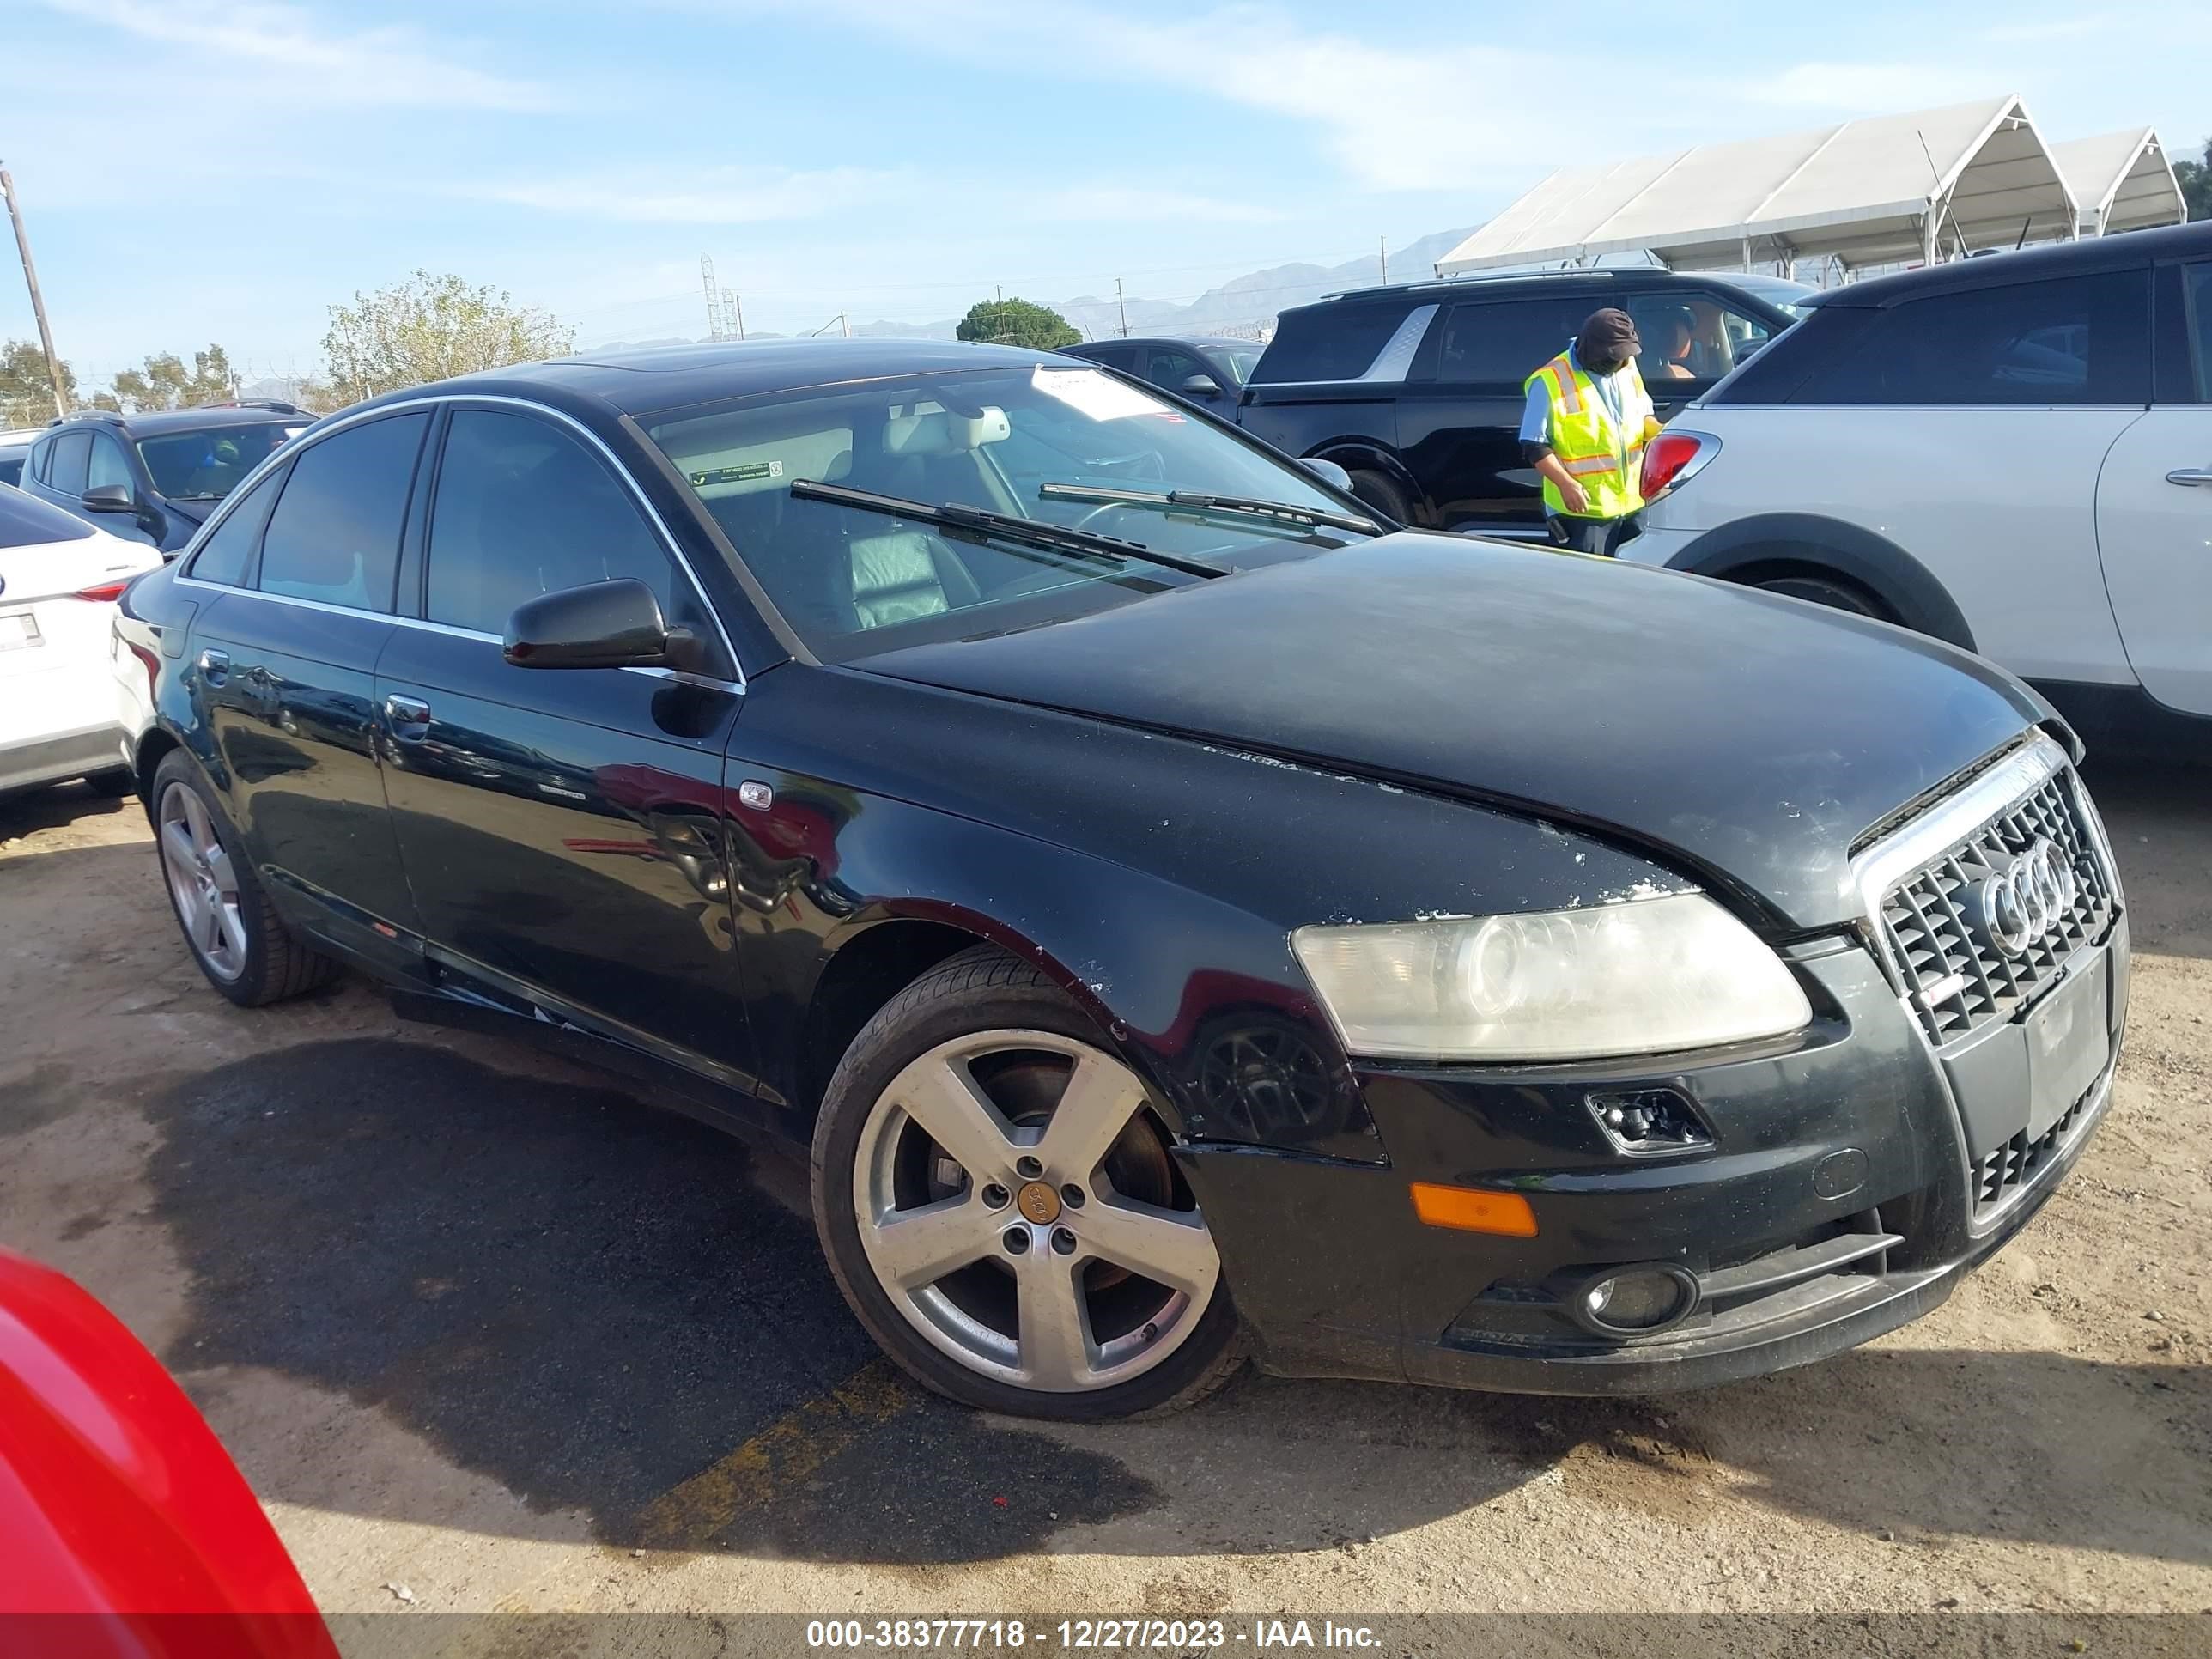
(1242, 305)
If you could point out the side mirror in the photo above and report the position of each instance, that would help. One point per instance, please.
(615, 624)
(1200, 386)
(108, 498)
(1328, 473)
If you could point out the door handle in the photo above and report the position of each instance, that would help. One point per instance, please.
(410, 717)
(2190, 474)
(214, 666)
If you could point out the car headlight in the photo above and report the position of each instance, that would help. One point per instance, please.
(1641, 977)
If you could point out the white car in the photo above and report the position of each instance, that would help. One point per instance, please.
(15, 450)
(2014, 454)
(59, 579)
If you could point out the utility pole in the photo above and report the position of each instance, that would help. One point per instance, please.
(1122, 306)
(999, 289)
(38, 303)
(1383, 249)
(845, 324)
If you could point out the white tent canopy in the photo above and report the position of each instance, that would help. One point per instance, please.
(1875, 191)
(2122, 180)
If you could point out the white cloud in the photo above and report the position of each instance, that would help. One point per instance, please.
(711, 196)
(289, 51)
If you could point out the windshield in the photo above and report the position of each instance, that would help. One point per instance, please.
(1239, 361)
(206, 464)
(854, 582)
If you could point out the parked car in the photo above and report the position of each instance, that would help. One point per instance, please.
(126, 1527)
(1416, 390)
(2013, 455)
(15, 448)
(59, 579)
(154, 478)
(1183, 920)
(1210, 370)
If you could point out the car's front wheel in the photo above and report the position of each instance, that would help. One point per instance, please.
(998, 1200)
(233, 933)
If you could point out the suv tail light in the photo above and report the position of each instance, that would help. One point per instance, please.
(1672, 458)
(104, 593)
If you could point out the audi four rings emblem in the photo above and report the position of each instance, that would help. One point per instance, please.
(2021, 902)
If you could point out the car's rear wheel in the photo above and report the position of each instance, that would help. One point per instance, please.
(1384, 495)
(1836, 593)
(998, 1200)
(232, 930)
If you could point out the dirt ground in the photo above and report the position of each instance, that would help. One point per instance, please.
(481, 1327)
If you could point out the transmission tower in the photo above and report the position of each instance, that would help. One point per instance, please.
(707, 284)
(733, 317)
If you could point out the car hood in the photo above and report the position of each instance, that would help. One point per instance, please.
(1748, 739)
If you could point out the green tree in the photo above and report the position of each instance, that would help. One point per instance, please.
(166, 383)
(27, 395)
(1017, 322)
(429, 328)
(2196, 181)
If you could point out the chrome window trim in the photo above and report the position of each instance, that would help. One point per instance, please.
(422, 625)
(340, 423)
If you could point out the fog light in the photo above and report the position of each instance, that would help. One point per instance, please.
(1636, 1301)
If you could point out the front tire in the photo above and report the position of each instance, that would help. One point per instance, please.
(997, 1198)
(232, 931)
(1384, 495)
(1835, 591)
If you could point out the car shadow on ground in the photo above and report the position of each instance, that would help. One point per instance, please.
(592, 1302)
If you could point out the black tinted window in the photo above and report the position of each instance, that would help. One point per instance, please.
(226, 554)
(1507, 341)
(11, 469)
(25, 521)
(1170, 366)
(2069, 340)
(335, 534)
(523, 508)
(1334, 343)
(65, 470)
(2197, 288)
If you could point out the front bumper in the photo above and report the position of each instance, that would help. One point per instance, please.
(1844, 1194)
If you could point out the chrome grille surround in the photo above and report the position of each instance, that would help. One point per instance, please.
(1914, 885)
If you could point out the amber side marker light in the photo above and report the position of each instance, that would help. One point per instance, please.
(1472, 1212)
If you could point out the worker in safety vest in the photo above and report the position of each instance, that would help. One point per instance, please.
(1583, 429)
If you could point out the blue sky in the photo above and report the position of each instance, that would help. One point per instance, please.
(225, 171)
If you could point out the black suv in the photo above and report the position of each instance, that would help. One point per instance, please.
(154, 477)
(1416, 390)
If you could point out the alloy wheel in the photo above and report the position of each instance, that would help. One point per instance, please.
(202, 882)
(1018, 1204)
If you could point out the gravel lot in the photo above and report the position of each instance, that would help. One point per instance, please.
(477, 1323)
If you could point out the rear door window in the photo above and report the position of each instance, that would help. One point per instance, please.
(65, 471)
(1330, 343)
(1503, 341)
(334, 536)
(2077, 340)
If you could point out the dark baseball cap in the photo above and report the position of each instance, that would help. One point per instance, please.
(1606, 333)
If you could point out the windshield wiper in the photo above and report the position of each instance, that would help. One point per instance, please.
(980, 522)
(1193, 501)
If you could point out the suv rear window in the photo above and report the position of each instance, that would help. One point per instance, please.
(1328, 342)
(2071, 340)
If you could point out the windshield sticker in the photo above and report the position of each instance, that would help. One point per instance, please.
(1099, 396)
(750, 470)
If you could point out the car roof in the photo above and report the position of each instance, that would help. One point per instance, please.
(1174, 340)
(1527, 282)
(2125, 251)
(637, 380)
(154, 423)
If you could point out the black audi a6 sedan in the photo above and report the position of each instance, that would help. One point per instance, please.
(1186, 921)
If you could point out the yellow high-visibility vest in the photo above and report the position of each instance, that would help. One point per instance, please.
(1606, 462)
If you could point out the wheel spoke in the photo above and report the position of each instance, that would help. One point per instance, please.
(209, 937)
(196, 816)
(233, 927)
(178, 851)
(1100, 1099)
(916, 1247)
(190, 910)
(219, 866)
(1171, 1246)
(955, 1113)
(1054, 1331)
